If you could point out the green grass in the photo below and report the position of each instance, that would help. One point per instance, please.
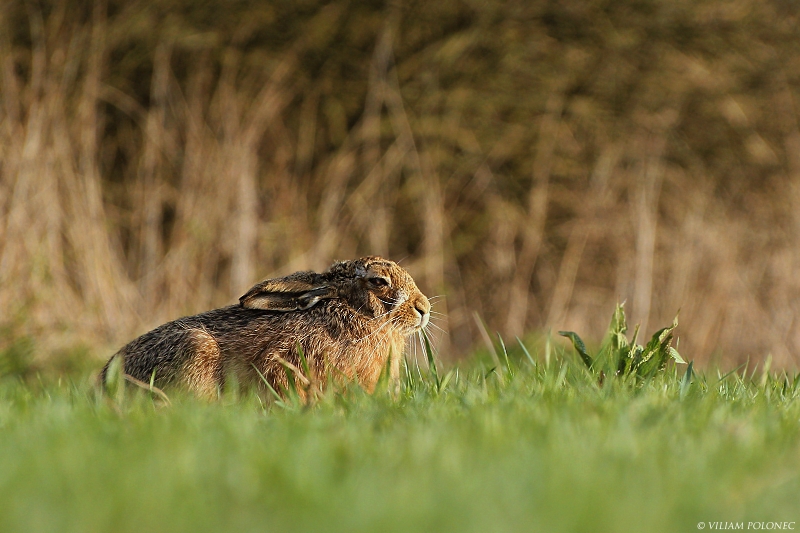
(524, 447)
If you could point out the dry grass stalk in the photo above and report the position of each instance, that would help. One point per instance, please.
(510, 167)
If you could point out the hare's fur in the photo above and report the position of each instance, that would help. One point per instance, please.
(348, 321)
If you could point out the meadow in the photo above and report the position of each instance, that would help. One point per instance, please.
(539, 443)
(528, 162)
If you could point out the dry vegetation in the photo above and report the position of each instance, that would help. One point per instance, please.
(534, 162)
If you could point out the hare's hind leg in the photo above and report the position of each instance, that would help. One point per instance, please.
(203, 368)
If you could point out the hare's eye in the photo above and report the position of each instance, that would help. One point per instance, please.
(378, 282)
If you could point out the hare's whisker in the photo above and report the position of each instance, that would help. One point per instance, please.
(379, 316)
(437, 320)
(390, 301)
(374, 332)
(432, 325)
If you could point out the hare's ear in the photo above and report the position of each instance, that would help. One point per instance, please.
(286, 294)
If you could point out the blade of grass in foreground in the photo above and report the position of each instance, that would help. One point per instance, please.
(431, 361)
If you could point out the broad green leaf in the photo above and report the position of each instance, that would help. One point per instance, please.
(620, 350)
(580, 347)
(676, 356)
(635, 357)
(618, 328)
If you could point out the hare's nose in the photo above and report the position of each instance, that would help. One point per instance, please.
(424, 310)
(423, 305)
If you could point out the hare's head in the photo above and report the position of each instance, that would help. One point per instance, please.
(371, 286)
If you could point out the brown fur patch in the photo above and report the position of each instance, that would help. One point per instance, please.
(203, 368)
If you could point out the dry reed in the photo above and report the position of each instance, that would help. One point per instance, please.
(533, 162)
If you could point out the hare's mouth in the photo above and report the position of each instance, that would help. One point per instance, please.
(422, 315)
(423, 321)
(418, 324)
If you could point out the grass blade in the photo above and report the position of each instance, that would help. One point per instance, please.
(526, 352)
(266, 383)
(686, 382)
(505, 355)
(431, 360)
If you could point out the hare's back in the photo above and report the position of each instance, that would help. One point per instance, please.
(167, 350)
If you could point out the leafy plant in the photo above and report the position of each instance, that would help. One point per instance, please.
(622, 357)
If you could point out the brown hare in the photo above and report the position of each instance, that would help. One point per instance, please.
(348, 321)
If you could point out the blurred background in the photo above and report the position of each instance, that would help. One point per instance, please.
(532, 161)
